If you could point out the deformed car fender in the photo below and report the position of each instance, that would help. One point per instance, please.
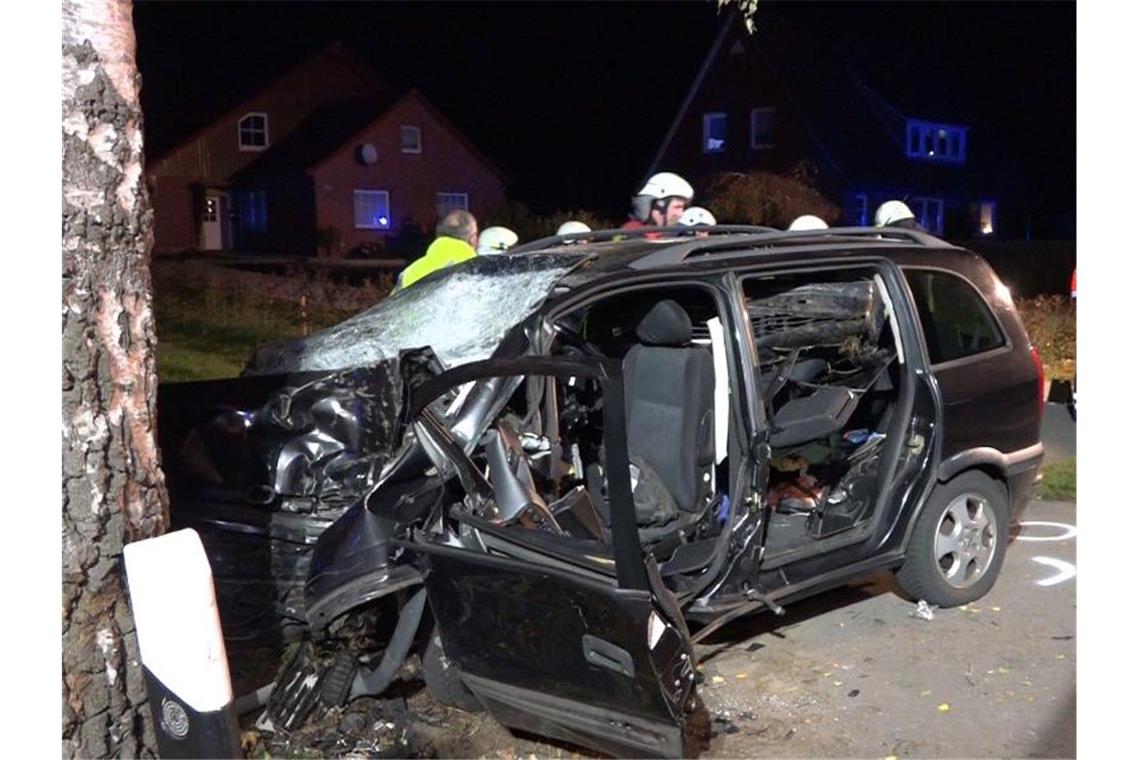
(357, 561)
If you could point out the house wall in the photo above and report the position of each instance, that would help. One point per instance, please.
(412, 180)
(175, 213)
(735, 85)
(211, 156)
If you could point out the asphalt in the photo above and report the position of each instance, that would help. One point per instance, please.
(854, 674)
(1059, 433)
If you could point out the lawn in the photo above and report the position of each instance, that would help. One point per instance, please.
(209, 321)
(1059, 481)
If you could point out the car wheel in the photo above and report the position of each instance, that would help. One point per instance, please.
(441, 676)
(958, 545)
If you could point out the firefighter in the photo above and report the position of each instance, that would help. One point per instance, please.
(660, 202)
(495, 240)
(695, 215)
(807, 222)
(896, 214)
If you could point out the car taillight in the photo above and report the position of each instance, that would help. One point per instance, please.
(1040, 379)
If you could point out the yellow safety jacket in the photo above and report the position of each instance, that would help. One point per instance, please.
(442, 253)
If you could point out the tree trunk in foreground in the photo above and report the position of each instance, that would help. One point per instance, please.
(113, 489)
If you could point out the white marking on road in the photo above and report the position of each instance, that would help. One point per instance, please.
(1065, 570)
(1067, 531)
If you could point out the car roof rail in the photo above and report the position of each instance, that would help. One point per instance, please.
(677, 233)
(772, 238)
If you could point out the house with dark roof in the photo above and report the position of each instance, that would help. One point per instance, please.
(787, 96)
(324, 159)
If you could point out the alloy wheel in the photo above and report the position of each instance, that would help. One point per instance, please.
(966, 540)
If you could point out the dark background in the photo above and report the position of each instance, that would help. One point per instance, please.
(572, 99)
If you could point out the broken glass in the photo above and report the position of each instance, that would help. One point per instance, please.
(462, 315)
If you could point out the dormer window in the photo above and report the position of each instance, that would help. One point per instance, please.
(935, 142)
(253, 132)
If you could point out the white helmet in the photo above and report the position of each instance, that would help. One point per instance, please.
(571, 227)
(807, 222)
(667, 185)
(495, 240)
(695, 215)
(892, 212)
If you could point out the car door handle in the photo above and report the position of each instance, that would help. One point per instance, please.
(606, 655)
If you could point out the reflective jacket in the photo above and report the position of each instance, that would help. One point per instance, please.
(442, 253)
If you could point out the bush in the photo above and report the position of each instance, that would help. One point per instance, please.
(532, 226)
(374, 250)
(1051, 322)
(329, 240)
(410, 242)
(763, 198)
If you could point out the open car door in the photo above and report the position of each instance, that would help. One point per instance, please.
(559, 629)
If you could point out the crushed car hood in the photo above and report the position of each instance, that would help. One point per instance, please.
(311, 424)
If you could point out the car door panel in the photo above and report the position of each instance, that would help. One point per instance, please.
(549, 646)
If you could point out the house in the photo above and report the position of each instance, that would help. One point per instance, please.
(324, 159)
(787, 97)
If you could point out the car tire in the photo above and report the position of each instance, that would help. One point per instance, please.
(441, 676)
(958, 544)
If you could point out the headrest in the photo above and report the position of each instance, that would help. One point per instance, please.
(666, 324)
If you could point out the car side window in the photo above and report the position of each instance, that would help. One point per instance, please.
(956, 321)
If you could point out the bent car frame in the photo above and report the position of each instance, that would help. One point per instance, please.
(538, 471)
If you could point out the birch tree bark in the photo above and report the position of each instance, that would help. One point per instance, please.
(113, 490)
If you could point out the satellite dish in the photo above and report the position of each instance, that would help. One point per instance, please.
(366, 154)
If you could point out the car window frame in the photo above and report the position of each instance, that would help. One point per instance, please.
(625, 541)
(1007, 342)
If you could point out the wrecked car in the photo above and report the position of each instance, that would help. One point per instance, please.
(549, 473)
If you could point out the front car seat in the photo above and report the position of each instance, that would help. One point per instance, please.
(669, 388)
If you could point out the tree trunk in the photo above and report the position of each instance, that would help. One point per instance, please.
(113, 490)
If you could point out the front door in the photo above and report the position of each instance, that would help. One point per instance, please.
(215, 221)
(558, 631)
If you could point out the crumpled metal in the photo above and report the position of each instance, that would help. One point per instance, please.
(461, 314)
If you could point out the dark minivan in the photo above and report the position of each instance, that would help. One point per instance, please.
(549, 472)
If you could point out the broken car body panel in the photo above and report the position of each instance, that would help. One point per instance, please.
(603, 667)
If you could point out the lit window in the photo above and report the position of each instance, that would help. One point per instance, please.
(371, 209)
(211, 211)
(715, 134)
(928, 213)
(445, 202)
(253, 132)
(936, 142)
(986, 217)
(859, 210)
(763, 128)
(410, 140)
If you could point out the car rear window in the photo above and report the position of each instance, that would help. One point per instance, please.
(956, 321)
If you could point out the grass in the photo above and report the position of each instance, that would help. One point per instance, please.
(208, 331)
(1059, 481)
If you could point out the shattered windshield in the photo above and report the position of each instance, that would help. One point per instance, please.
(462, 315)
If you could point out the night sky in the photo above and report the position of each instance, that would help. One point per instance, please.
(573, 99)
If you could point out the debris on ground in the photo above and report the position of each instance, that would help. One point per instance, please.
(923, 611)
(374, 728)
